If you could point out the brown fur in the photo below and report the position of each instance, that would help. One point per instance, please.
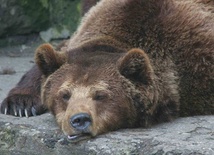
(132, 63)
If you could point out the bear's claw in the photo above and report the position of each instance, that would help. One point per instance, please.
(22, 106)
(15, 112)
(20, 113)
(33, 110)
(5, 111)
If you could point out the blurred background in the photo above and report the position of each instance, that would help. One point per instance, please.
(24, 21)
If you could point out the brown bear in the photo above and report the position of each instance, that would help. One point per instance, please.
(131, 63)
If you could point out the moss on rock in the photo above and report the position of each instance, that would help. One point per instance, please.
(7, 139)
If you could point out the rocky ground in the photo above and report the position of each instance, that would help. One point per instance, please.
(40, 135)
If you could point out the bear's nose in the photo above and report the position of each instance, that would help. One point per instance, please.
(81, 122)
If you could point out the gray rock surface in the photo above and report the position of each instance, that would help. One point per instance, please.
(41, 136)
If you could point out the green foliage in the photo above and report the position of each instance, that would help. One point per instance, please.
(45, 3)
(22, 17)
(36, 15)
(58, 14)
(64, 14)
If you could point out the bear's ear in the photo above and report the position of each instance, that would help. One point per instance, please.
(136, 67)
(48, 60)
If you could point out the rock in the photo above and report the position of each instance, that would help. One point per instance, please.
(40, 135)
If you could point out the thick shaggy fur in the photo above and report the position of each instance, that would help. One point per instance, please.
(130, 63)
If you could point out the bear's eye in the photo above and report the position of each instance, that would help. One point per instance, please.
(66, 96)
(100, 96)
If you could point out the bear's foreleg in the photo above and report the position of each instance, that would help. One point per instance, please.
(24, 99)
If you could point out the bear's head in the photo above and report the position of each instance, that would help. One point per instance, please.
(95, 88)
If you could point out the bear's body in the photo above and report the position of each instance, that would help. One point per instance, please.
(131, 63)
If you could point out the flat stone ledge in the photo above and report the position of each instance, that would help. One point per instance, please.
(41, 136)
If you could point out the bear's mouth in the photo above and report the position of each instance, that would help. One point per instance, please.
(78, 137)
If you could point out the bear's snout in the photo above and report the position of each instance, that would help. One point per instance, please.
(81, 122)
